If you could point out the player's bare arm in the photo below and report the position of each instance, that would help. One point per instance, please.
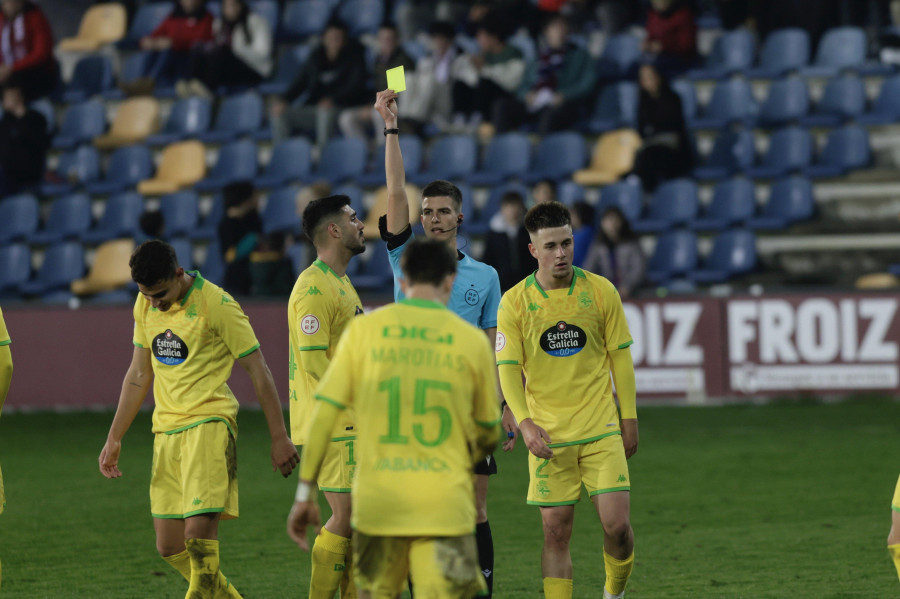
(284, 454)
(630, 436)
(398, 203)
(137, 382)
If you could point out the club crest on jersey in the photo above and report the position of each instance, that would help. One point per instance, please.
(169, 348)
(563, 340)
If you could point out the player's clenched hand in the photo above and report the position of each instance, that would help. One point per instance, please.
(303, 515)
(284, 456)
(509, 426)
(630, 436)
(109, 459)
(536, 439)
(386, 105)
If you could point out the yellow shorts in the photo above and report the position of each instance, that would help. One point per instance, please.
(194, 472)
(895, 504)
(599, 465)
(440, 567)
(338, 467)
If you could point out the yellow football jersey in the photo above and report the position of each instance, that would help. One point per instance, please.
(422, 380)
(194, 345)
(562, 338)
(4, 334)
(321, 306)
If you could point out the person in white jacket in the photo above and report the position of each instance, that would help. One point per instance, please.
(239, 55)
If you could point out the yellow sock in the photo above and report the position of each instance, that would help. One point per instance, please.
(348, 586)
(329, 555)
(617, 572)
(207, 580)
(181, 562)
(895, 553)
(558, 588)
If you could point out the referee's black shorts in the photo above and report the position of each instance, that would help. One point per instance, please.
(487, 466)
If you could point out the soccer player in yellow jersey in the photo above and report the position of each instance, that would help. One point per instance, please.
(322, 304)
(566, 329)
(894, 536)
(187, 335)
(422, 381)
(6, 369)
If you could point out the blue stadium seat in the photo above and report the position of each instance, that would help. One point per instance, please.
(63, 263)
(361, 16)
(82, 122)
(616, 108)
(783, 51)
(268, 10)
(412, 150)
(15, 268)
(93, 75)
(127, 167)
(299, 253)
(675, 202)
(732, 52)
(289, 163)
(280, 213)
(790, 150)
(839, 49)
(355, 193)
(733, 253)
(886, 109)
(620, 58)
(557, 156)
(145, 20)
(790, 201)
(342, 159)
(213, 267)
(845, 149)
(45, 107)
(180, 213)
(625, 196)
(688, 94)
(451, 157)
(134, 66)
(189, 117)
(69, 218)
(569, 192)
(732, 101)
(238, 115)
(374, 274)
(415, 49)
(18, 217)
(120, 218)
(304, 18)
(786, 103)
(674, 256)
(236, 162)
(209, 227)
(733, 202)
(507, 156)
(75, 168)
(844, 99)
(525, 44)
(732, 152)
(184, 251)
(289, 64)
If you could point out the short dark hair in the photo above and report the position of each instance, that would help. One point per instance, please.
(319, 210)
(585, 212)
(388, 25)
(441, 188)
(237, 192)
(442, 29)
(512, 197)
(428, 261)
(548, 215)
(549, 183)
(494, 25)
(335, 23)
(153, 262)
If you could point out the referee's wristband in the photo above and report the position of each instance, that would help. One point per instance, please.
(391, 132)
(304, 490)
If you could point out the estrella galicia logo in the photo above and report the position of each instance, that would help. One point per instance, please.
(169, 348)
(563, 340)
(472, 297)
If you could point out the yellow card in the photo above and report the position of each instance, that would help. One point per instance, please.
(396, 79)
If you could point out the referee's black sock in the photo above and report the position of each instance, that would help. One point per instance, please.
(486, 553)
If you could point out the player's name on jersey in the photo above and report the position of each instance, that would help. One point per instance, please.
(412, 465)
(419, 357)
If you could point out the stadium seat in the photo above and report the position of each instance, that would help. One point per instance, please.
(286, 68)
(732, 101)
(732, 152)
(15, 268)
(213, 267)
(790, 201)
(886, 109)
(132, 68)
(790, 150)
(616, 108)
(69, 218)
(181, 164)
(355, 193)
(613, 157)
(620, 58)
(127, 167)
(304, 18)
(280, 213)
(109, 271)
(101, 24)
(136, 119)
(840, 48)
(120, 218)
(786, 103)
(845, 149)
(732, 52)
(451, 157)
(361, 16)
(238, 115)
(180, 211)
(507, 156)
(18, 217)
(625, 196)
(342, 159)
(184, 251)
(268, 10)
(733, 253)
(93, 75)
(236, 162)
(674, 256)
(844, 99)
(209, 226)
(301, 257)
(75, 168)
(374, 273)
(289, 163)
(81, 123)
(63, 263)
(688, 94)
(147, 17)
(675, 202)
(557, 156)
(189, 117)
(412, 151)
(733, 202)
(569, 192)
(45, 107)
(783, 51)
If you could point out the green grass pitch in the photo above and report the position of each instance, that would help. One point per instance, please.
(784, 500)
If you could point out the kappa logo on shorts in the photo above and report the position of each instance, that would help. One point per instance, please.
(563, 340)
(501, 342)
(309, 324)
(169, 348)
(621, 479)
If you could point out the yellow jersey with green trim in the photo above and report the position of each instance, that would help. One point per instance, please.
(562, 337)
(423, 381)
(193, 347)
(321, 306)
(4, 334)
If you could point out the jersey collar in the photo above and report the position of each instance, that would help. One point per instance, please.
(197, 284)
(324, 267)
(423, 303)
(532, 280)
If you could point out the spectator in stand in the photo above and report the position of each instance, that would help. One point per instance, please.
(360, 121)
(616, 16)
(665, 152)
(152, 225)
(583, 230)
(556, 88)
(240, 53)
(671, 38)
(271, 270)
(26, 49)
(616, 253)
(239, 234)
(334, 77)
(23, 141)
(175, 41)
(506, 246)
(429, 94)
(544, 191)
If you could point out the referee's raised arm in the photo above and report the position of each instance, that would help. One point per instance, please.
(398, 203)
